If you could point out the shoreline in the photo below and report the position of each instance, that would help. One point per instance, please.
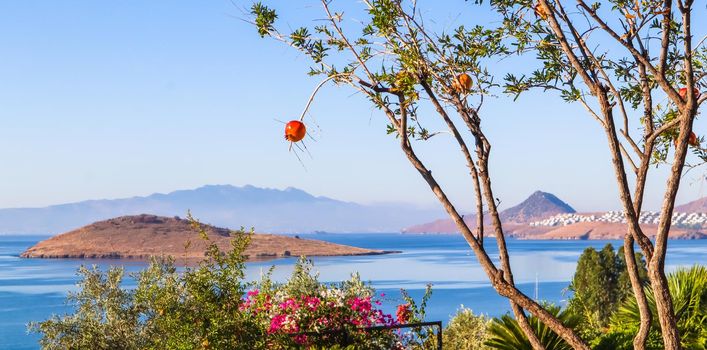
(148, 257)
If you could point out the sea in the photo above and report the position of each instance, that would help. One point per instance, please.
(35, 289)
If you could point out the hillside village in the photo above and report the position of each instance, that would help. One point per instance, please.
(686, 220)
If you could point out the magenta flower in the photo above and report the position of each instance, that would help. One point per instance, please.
(312, 302)
(276, 323)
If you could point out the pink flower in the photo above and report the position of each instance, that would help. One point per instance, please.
(276, 323)
(289, 304)
(360, 305)
(312, 302)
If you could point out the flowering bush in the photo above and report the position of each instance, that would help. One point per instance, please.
(305, 312)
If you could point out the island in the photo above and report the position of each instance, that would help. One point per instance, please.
(144, 236)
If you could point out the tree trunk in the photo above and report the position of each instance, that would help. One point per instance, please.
(664, 308)
(503, 249)
(639, 341)
(656, 267)
(496, 276)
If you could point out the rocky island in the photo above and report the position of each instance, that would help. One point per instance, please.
(144, 236)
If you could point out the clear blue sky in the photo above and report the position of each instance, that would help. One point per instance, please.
(108, 99)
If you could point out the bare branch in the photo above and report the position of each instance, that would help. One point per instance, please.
(665, 85)
(333, 21)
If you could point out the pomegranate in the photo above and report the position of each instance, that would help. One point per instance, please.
(683, 93)
(295, 131)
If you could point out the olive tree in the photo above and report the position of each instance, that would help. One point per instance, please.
(400, 66)
(637, 69)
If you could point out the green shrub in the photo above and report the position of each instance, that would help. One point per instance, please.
(688, 288)
(466, 331)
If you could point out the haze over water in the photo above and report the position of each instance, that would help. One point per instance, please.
(34, 289)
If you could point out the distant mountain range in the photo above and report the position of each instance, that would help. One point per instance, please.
(278, 211)
(268, 210)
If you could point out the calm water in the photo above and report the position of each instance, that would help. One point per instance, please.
(34, 289)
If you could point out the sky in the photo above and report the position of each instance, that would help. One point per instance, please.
(112, 99)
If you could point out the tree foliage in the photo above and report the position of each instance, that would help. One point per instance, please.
(401, 66)
(633, 65)
(632, 83)
(600, 284)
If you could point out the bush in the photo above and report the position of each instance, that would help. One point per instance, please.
(688, 288)
(466, 331)
(305, 312)
(105, 318)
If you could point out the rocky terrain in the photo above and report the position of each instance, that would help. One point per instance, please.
(144, 236)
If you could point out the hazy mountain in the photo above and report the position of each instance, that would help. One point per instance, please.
(696, 206)
(268, 210)
(538, 206)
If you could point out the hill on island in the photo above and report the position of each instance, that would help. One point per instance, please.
(144, 236)
(537, 206)
(696, 206)
(268, 210)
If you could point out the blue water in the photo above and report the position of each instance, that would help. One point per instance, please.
(34, 289)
